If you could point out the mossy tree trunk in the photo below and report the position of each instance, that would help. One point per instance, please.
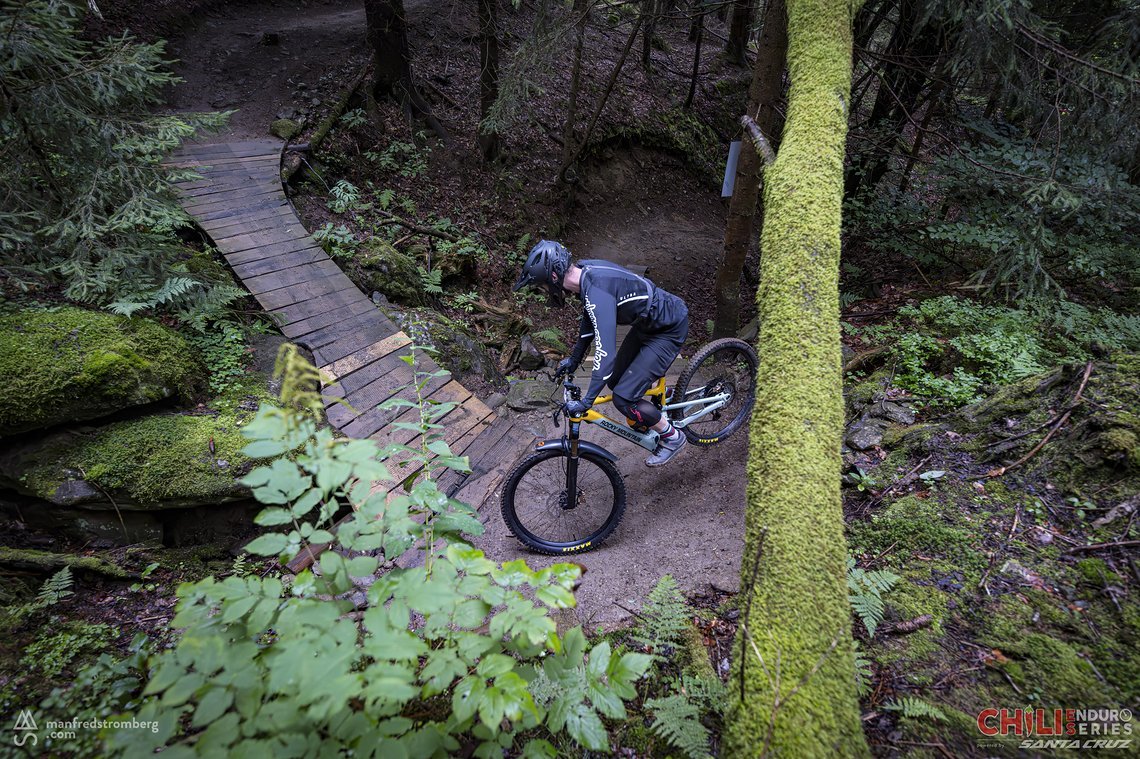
(487, 137)
(794, 645)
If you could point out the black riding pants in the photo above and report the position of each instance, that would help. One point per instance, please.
(642, 359)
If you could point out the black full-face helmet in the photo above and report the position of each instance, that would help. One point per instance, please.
(546, 266)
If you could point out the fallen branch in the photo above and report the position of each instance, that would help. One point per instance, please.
(1098, 546)
(292, 161)
(861, 359)
(418, 229)
(759, 141)
(1060, 423)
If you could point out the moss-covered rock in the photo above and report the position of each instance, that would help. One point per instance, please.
(379, 267)
(456, 349)
(286, 129)
(71, 364)
(153, 462)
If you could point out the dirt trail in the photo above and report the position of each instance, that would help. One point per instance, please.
(265, 59)
(636, 207)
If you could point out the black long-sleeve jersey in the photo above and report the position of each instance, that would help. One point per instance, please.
(611, 295)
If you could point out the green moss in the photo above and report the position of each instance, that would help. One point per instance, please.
(913, 524)
(173, 458)
(49, 562)
(1095, 571)
(1055, 668)
(380, 267)
(70, 364)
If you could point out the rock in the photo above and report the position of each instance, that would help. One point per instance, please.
(530, 395)
(379, 267)
(749, 331)
(263, 351)
(288, 113)
(286, 129)
(865, 433)
(530, 357)
(151, 463)
(457, 350)
(846, 353)
(70, 365)
(380, 299)
(892, 412)
(496, 400)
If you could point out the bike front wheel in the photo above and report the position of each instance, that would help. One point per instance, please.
(540, 512)
(723, 367)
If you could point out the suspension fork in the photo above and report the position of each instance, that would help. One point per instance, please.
(572, 466)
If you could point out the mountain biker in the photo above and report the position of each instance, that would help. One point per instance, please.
(611, 296)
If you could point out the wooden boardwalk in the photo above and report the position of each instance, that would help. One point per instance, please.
(240, 203)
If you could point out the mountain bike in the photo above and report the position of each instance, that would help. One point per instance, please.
(568, 495)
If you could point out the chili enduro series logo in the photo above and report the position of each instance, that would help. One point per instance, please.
(1060, 728)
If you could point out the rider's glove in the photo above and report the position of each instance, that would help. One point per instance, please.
(577, 408)
(567, 366)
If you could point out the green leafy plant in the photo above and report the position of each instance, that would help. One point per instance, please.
(344, 197)
(863, 672)
(55, 589)
(338, 241)
(403, 157)
(865, 591)
(862, 481)
(55, 650)
(354, 118)
(225, 354)
(452, 648)
(465, 301)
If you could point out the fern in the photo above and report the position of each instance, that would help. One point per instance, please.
(241, 566)
(677, 720)
(677, 717)
(170, 290)
(550, 337)
(865, 593)
(57, 588)
(916, 708)
(385, 199)
(431, 281)
(664, 618)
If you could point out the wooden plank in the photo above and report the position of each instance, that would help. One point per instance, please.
(299, 329)
(229, 212)
(271, 215)
(465, 418)
(370, 322)
(231, 149)
(476, 450)
(478, 488)
(280, 263)
(397, 376)
(348, 365)
(445, 391)
(238, 199)
(251, 240)
(221, 161)
(197, 194)
(370, 423)
(350, 342)
(297, 275)
(266, 174)
(239, 257)
(296, 312)
(287, 296)
(285, 227)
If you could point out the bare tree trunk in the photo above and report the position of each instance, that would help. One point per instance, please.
(697, 19)
(487, 138)
(648, 29)
(699, 22)
(387, 35)
(568, 142)
(738, 31)
(764, 95)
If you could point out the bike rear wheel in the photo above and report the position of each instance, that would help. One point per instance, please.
(539, 512)
(728, 366)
